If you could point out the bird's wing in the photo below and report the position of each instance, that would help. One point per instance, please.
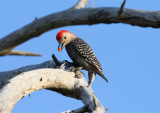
(87, 53)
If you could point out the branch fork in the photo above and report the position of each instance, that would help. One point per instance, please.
(121, 10)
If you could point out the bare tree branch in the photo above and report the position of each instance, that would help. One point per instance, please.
(22, 53)
(121, 10)
(7, 75)
(18, 83)
(80, 4)
(79, 17)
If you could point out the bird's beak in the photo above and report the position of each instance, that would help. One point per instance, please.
(60, 46)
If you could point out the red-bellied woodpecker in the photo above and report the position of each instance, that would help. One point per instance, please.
(81, 54)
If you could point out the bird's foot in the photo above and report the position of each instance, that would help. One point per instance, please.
(68, 66)
(88, 85)
(65, 61)
(76, 69)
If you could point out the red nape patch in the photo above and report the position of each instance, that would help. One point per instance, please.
(59, 35)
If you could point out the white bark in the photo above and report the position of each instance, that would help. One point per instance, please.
(32, 78)
(80, 4)
(7, 75)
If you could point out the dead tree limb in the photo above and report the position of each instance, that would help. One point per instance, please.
(18, 83)
(79, 16)
(80, 4)
(23, 53)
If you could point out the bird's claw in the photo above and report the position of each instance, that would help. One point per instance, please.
(76, 69)
(65, 61)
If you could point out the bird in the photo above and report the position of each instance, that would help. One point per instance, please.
(80, 53)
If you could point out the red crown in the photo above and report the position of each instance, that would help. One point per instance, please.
(59, 35)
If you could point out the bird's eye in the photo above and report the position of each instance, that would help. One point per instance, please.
(65, 37)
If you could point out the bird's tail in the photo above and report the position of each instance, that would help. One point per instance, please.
(100, 73)
(104, 77)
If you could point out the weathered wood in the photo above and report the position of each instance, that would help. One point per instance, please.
(83, 16)
(18, 83)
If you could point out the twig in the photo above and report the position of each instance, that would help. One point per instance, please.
(106, 109)
(80, 110)
(121, 10)
(92, 4)
(23, 53)
(57, 62)
(80, 4)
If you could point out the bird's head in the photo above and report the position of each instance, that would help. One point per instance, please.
(64, 37)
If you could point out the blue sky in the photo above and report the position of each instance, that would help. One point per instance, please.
(129, 56)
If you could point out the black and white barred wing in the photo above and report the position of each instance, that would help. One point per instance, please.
(87, 53)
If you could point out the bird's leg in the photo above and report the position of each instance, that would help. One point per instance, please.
(75, 69)
(91, 77)
(66, 61)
